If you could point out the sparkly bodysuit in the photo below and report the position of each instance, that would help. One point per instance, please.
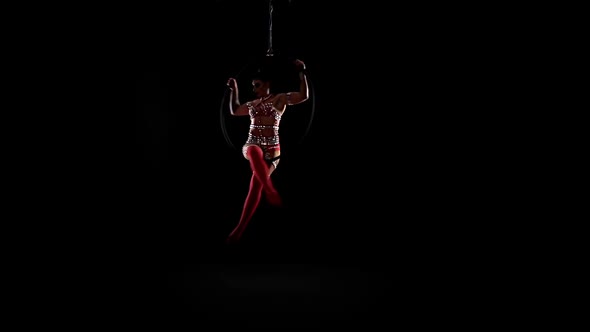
(269, 144)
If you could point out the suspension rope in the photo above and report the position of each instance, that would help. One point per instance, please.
(270, 51)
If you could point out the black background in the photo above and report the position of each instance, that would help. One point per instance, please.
(388, 192)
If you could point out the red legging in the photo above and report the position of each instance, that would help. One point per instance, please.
(259, 182)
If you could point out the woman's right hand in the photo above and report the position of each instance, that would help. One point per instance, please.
(231, 83)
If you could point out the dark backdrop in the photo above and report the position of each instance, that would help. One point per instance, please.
(385, 173)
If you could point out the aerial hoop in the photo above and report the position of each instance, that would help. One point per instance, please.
(222, 121)
(277, 67)
(312, 111)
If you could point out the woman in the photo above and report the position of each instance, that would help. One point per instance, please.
(262, 147)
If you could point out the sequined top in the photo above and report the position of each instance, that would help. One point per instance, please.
(263, 109)
(255, 136)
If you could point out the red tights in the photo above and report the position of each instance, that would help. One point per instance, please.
(259, 183)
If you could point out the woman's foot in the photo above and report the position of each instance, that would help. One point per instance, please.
(234, 237)
(273, 198)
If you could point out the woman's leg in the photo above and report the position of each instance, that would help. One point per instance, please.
(259, 182)
(250, 205)
(262, 173)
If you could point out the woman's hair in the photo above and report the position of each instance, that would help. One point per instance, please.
(262, 76)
